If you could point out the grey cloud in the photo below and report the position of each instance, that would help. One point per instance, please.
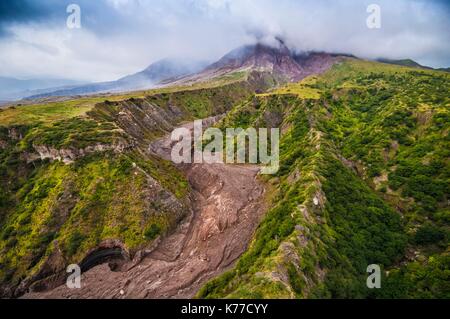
(122, 36)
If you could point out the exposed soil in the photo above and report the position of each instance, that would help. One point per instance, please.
(228, 205)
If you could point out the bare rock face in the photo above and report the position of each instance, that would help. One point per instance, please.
(3, 144)
(70, 155)
(260, 57)
(142, 118)
(316, 62)
(283, 64)
(14, 134)
(9, 136)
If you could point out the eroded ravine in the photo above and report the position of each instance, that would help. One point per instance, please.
(227, 207)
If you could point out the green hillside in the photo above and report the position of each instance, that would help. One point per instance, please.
(364, 179)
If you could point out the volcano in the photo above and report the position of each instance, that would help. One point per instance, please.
(278, 61)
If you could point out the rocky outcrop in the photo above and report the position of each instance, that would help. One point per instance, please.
(10, 136)
(279, 61)
(14, 134)
(143, 119)
(70, 155)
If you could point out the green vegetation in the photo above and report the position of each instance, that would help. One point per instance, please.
(108, 188)
(74, 242)
(75, 207)
(50, 112)
(424, 279)
(72, 133)
(31, 114)
(152, 232)
(205, 102)
(364, 179)
(54, 111)
(304, 89)
(429, 234)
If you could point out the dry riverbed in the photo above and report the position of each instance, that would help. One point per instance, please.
(227, 208)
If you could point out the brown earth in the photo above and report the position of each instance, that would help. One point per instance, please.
(227, 207)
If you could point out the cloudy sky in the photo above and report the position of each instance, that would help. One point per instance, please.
(119, 37)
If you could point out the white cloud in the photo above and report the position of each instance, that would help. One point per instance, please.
(138, 32)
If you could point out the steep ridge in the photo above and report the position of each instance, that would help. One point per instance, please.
(63, 200)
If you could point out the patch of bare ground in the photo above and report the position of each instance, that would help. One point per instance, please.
(227, 208)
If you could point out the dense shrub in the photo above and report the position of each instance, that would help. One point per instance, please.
(428, 234)
(152, 232)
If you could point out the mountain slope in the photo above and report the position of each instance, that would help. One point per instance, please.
(279, 63)
(146, 79)
(363, 180)
(162, 70)
(404, 62)
(411, 63)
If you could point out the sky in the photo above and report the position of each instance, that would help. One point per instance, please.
(121, 37)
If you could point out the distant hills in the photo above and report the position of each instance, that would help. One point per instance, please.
(404, 62)
(410, 63)
(151, 76)
(14, 89)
